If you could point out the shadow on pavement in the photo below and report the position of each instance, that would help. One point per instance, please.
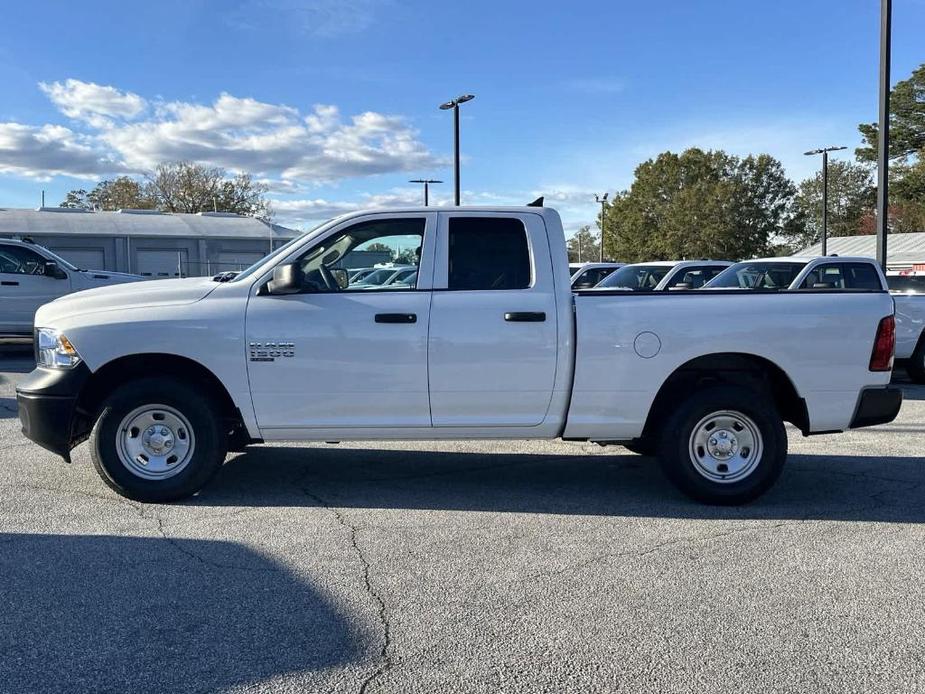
(888, 489)
(119, 614)
(8, 408)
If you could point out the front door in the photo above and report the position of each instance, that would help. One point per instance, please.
(341, 354)
(493, 324)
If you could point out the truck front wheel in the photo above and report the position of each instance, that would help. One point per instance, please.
(157, 440)
(724, 445)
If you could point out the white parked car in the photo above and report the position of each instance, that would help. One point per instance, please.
(590, 274)
(843, 273)
(908, 290)
(491, 342)
(31, 275)
(663, 275)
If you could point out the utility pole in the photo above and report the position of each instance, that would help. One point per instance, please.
(824, 151)
(602, 199)
(454, 104)
(426, 182)
(883, 133)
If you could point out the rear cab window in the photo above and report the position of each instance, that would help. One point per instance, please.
(488, 253)
(843, 276)
(694, 277)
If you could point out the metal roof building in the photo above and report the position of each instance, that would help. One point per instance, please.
(147, 242)
(903, 251)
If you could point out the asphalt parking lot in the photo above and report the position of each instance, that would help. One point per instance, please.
(438, 567)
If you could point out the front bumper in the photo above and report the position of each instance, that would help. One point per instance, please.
(47, 404)
(877, 406)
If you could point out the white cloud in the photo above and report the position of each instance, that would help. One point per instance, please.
(92, 103)
(273, 141)
(50, 150)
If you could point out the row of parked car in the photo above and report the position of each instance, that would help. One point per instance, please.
(774, 274)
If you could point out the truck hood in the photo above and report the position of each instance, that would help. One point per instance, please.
(171, 292)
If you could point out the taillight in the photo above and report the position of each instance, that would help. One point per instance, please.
(881, 359)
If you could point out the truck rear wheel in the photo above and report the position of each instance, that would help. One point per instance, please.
(157, 440)
(724, 445)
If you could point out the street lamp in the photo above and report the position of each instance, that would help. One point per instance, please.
(454, 104)
(426, 182)
(883, 133)
(824, 151)
(602, 199)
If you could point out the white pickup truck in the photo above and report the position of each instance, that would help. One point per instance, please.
(489, 342)
(843, 273)
(31, 275)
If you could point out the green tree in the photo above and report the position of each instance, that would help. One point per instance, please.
(185, 186)
(699, 204)
(586, 240)
(852, 196)
(907, 121)
(120, 193)
(178, 187)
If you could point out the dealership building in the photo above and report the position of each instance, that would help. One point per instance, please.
(147, 242)
(903, 251)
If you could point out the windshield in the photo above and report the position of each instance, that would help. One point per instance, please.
(58, 259)
(636, 277)
(379, 276)
(752, 275)
(278, 253)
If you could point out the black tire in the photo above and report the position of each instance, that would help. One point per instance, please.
(677, 458)
(915, 367)
(208, 451)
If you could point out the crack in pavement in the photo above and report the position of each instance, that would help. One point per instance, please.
(385, 655)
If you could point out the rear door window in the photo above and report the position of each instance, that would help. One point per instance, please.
(842, 276)
(488, 253)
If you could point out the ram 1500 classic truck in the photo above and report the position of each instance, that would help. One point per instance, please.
(842, 273)
(490, 342)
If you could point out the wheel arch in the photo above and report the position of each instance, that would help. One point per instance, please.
(729, 368)
(121, 370)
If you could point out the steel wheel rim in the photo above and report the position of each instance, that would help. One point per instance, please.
(725, 446)
(155, 442)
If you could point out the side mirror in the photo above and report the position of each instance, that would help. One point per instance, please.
(340, 276)
(54, 271)
(287, 279)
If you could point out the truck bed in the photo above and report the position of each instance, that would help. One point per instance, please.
(628, 343)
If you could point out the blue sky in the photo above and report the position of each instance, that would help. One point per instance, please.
(334, 102)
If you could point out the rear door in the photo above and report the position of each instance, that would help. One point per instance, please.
(24, 287)
(493, 339)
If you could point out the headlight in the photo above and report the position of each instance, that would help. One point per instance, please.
(54, 350)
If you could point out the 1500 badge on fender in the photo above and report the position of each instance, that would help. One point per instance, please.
(268, 351)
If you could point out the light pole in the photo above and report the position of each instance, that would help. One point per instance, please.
(602, 199)
(824, 151)
(883, 133)
(426, 182)
(454, 104)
